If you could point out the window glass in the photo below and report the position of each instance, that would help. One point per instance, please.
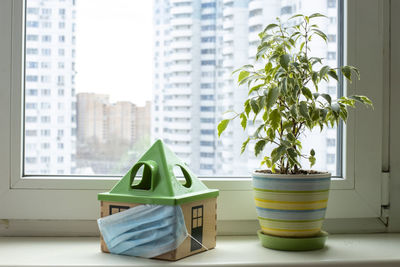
(101, 86)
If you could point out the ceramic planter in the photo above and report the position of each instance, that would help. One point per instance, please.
(291, 205)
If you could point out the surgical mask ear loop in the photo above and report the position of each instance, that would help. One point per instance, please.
(198, 242)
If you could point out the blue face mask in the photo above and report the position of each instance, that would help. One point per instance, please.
(145, 230)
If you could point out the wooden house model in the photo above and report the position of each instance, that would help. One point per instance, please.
(160, 186)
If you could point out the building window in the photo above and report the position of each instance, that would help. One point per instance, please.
(208, 62)
(332, 38)
(115, 209)
(209, 4)
(256, 12)
(32, 24)
(209, 39)
(332, 55)
(331, 142)
(330, 158)
(208, 16)
(196, 228)
(286, 10)
(331, 3)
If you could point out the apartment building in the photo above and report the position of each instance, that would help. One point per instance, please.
(197, 45)
(50, 117)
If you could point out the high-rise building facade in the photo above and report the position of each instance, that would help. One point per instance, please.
(107, 132)
(186, 65)
(50, 118)
(197, 45)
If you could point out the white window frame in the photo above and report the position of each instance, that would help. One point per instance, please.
(356, 195)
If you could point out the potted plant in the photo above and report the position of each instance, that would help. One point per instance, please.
(283, 101)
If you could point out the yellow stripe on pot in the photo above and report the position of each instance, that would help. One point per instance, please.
(291, 205)
(291, 197)
(291, 225)
(289, 232)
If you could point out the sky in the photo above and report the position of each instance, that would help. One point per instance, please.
(114, 49)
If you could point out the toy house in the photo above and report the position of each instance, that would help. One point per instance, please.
(160, 186)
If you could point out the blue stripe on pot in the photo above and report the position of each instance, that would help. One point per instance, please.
(291, 185)
(291, 214)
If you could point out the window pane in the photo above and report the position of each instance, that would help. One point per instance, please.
(101, 86)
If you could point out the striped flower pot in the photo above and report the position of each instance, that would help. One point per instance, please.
(291, 205)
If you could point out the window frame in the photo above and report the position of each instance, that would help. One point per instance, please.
(75, 198)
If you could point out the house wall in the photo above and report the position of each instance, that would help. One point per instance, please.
(209, 226)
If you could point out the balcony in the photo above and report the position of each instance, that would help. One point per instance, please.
(182, 67)
(181, 33)
(180, 79)
(181, 44)
(228, 24)
(228, 11)
(181, 21)
(181, 10)
(256, 4)
(181, 56)
(227, 50)
(256, 20)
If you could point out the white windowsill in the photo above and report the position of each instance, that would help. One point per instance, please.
(343, 250)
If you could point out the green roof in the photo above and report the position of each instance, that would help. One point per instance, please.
(158, 184)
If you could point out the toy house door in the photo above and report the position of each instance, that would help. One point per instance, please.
(197, 227)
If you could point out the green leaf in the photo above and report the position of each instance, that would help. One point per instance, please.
(272, 96)
(275, 119)
(283, 86)
(327, 98)
(286, 143)
(271, 134)
(258, 130)
(307, 93)
(255, 88)
(284, 61)
(243, 121)
(270, 26)
(323, 113)
(320, 34)
(302, 45)
(315, 15)
(293, 155)
(277, 153)
(335, 108)
(295, 16)
(291, 137)
(312, 161)
(304, 110)
(315, 79)
(343, 113)
(265, 115)
(247, 107)
(244, 145)
(312, 152)
(268, 67)
(354, 69)
(333, 74)
(323, 71)
(261, 101)
(259, 146)
(346, 72)
(222, 126)
(362, 99)
(254, 106)
(293, 111)
(315, 115)
(243, 74)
